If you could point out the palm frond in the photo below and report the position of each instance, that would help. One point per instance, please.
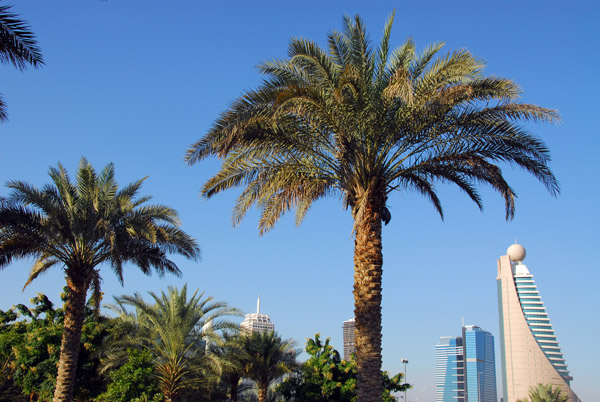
(18, 45)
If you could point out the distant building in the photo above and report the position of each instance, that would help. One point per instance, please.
(480, 365)
(449, 370)
(349, 345)
(465, 367)
(257, 322)
(530, 352)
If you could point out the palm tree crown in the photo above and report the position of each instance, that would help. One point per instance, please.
(547, 393)
(176, 329)
(79, 226)
(360, 122)
(267, 357)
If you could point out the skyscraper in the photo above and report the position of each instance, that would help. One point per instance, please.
(449, 370)
(257, 322)
(349, 346)
(530, 351)
(465, 367)
(480, 365)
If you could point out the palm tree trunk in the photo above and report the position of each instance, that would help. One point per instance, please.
(368, 262)
(71, 338)
(262, 392)
(234, 381)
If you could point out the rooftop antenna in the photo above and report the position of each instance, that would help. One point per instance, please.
(258, 306)
(463, 321)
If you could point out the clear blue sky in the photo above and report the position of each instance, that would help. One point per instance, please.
(136, 82)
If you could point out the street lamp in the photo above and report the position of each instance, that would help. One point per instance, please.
(405, 361)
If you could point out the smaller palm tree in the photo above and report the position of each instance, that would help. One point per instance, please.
(18, 45)
(176, 330)
(267, 357)
(545, 393)
(79, 226)
(229, 353)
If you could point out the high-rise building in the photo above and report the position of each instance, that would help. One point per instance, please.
(530, 352)
(450, 370)
(257, 322)
(465, 367)
(480, 365)
(349, 346)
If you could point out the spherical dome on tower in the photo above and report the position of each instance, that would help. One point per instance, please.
(516, 252)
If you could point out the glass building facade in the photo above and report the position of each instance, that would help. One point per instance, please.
(449, 370)
(480, 365)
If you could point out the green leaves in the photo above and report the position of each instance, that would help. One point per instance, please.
(30, 349)
(326, 377)
(547, 393)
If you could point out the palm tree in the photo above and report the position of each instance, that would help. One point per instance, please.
(17, 46)
(80, 226)
(176, 330)
(267, 357)
(361, 122)
(229, 353)
(546, 393)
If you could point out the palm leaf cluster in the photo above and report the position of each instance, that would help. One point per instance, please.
(362, 121)
(18, 46)
(85, 223)
(546, 393)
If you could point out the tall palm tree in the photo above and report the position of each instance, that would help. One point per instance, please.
(361, 122)
(18, 46)
(267, 357)
(80, 226)
(176, 330)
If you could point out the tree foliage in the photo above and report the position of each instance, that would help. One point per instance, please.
(30, 339)
(266, 357)
(325, 376)
(546, 393)
(175, 329)
(134, 381)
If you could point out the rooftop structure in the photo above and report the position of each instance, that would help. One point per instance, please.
(257, 322)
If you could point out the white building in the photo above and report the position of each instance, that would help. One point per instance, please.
(257, 322)
(530, 351)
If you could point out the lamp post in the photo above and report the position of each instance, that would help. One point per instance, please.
(405, 361)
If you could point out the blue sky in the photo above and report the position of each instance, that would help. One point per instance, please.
(136, 82)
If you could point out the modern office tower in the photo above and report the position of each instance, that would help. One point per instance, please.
(257, 322)
(349, 346)
(480, 365)
(530, 351)
(450, 370)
